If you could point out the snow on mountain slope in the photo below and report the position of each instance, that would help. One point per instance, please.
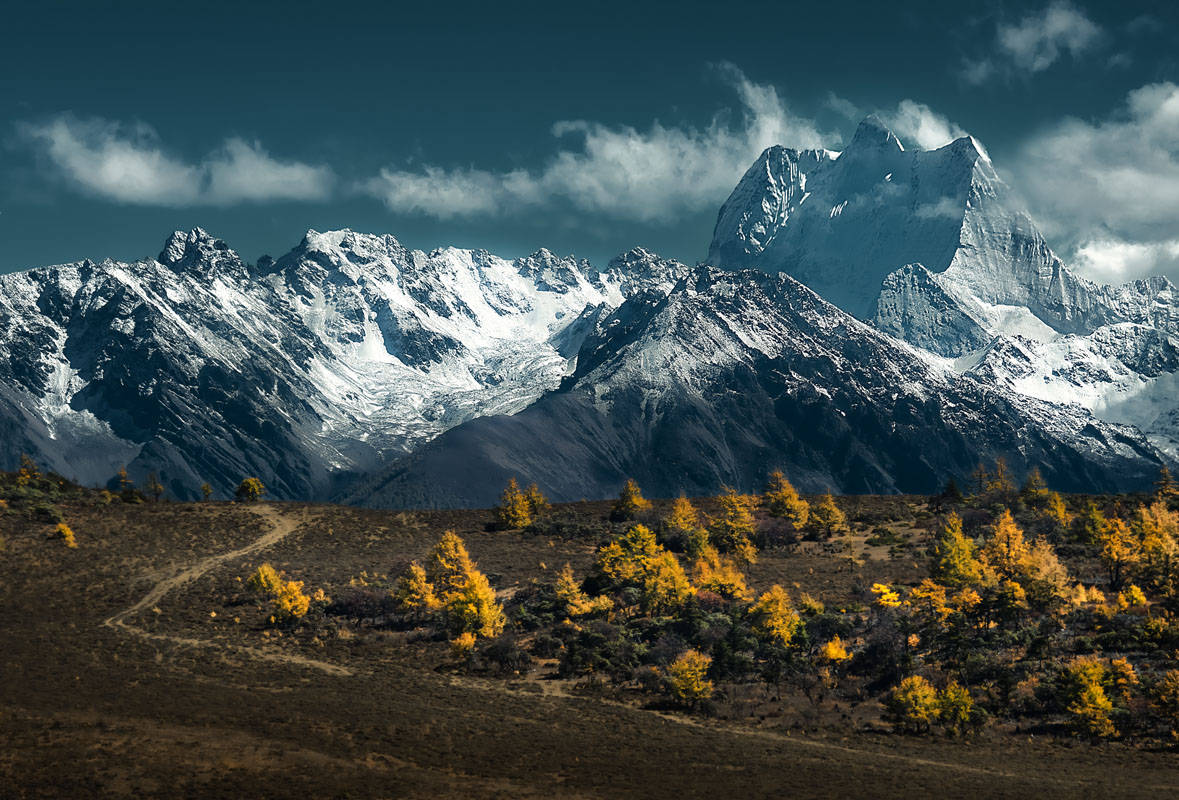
(734, 374)
(349, 350)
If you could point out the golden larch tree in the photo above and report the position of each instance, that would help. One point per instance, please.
(782, 500)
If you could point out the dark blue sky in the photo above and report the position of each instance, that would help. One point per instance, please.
(124, 121)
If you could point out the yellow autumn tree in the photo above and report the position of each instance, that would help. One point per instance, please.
(414, 592)
(1157, 528)
(538, 504)
(514, 510)
(626, 559)
(290, 602)
(472, 607)
(834, 651)
(448, 564)
(665, 585)
(1045, 577)
(954, 561)
(1085, 699)
(682, 524)
(687, 677)
(718, 574)
(912, 705)
(630, 501)
(774, 617)
(1119, 550)
(733, 530)
(782, 500)
(955, 707)
(1056, 511)
(1165, 699)
(1006, 551)
(577, 603)
(826, 517)
(250, 490)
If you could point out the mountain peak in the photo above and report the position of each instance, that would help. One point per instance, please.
(195, 245)
(873, 133)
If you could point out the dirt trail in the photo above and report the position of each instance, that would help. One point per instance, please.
(281, 526)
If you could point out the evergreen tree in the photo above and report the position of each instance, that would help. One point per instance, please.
(153, 486)
(1165, 488)
(1087, 526)
(1034, 491)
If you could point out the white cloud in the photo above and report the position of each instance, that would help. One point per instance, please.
(128, 164)
(1109, 190)
(1036, 42)
(1116, 261)
(647, 175)
(917, 124)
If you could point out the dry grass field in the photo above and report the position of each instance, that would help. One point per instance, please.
(139, 665)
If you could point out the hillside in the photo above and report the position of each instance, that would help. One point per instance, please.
(157, 670)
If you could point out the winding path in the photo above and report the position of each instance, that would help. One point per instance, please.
(281, 526)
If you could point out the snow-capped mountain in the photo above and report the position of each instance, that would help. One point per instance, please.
(342, 354)
(941, 331)
(734, 374)
(928, 246)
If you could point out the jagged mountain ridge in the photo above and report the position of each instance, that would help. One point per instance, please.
(733, 374)
(342, 354)
(929, 247)
(913, 240)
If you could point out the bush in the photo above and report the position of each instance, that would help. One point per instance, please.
(62, 531)
(265, 581)
(48, 513)
(505, 656)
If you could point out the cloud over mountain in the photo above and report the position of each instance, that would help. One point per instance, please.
(1108, 189)
(617, 171)
(129, 164)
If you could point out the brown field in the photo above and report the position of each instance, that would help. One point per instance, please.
(137, 666)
